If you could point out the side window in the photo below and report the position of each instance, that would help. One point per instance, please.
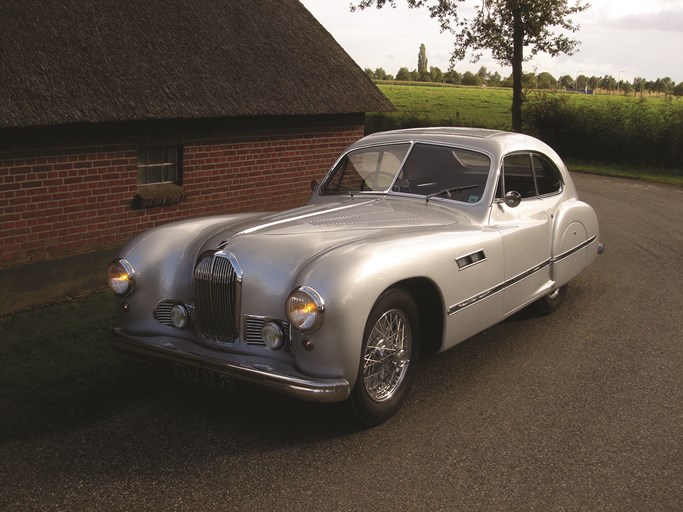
(548, 180)
(518, 175)
(159, 165)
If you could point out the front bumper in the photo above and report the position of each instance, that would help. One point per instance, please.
(280, 378)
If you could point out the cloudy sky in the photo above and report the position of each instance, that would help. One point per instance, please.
(622, 38)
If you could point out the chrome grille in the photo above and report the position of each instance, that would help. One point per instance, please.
(217, 291)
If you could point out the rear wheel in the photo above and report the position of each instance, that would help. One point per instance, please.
(552, 301)
(388, 358)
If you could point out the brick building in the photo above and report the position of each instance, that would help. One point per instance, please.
(117, 116)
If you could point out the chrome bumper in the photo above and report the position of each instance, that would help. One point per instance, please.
(279, 379)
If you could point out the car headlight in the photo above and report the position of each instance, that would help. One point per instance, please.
(305, 309)
(121, 277)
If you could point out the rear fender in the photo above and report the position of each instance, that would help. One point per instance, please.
(574, 242)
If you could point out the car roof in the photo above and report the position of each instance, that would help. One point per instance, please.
(496, 142)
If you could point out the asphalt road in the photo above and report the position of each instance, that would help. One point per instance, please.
(580, 410)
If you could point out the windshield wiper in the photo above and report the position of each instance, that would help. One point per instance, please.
(449, 190)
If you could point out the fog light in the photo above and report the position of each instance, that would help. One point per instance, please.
(272, 335)
(179, 316)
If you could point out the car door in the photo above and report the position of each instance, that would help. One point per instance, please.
(525, 227)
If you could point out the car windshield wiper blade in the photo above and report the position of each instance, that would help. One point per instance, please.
(449, 190)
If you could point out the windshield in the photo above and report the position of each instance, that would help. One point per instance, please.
(366, 170)
(444, 171)
(430, 170)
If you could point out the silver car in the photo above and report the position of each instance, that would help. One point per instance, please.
(414, 241)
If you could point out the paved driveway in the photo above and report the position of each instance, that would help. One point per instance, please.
(581, 410)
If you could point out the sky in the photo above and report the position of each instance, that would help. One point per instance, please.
(622, 38)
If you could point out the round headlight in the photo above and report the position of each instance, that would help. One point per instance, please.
(120, 277)
(272, 335)
(305, 308)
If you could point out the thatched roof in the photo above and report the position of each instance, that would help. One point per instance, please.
(90, 61)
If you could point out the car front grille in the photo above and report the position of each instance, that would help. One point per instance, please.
(217, 284)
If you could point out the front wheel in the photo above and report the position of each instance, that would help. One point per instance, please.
(388, 358)
(552, 301)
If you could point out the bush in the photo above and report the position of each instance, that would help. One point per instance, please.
(629, 131)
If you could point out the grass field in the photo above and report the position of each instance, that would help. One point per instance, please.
(462, 106)
(480, 106)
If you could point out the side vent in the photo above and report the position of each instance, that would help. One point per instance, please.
(471, 259)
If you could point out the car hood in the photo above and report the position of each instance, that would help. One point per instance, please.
(354, 217)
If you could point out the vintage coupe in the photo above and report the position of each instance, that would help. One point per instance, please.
(414, 241)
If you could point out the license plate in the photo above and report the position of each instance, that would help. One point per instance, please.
(203, 376)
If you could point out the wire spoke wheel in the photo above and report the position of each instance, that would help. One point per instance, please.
(387, 355)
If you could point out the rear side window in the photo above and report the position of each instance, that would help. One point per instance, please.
(518, 175)
(530, 174)
(548, 180)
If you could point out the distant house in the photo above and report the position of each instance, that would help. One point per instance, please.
(116, 117)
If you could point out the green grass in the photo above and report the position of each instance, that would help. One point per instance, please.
(448, 105)
(669, 177)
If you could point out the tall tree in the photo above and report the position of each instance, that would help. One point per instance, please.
(422, 63)
(506, 28)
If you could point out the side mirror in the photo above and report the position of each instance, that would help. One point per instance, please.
(314, 184)
(513, 198)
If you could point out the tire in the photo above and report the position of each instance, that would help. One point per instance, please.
(552, 301)
(389, 357)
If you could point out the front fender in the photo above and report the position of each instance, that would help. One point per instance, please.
(350, 279)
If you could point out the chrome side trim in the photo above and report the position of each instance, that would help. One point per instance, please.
(498, 288)
(568, 253)
(266, 376)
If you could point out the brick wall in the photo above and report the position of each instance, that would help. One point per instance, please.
(60, 199)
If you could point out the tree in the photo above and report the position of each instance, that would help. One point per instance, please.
(506, 28)
(422, 60)
(566, 82)
(609, 83)
(469, 78)
(453, 77)
(626, 87)
(495, 80)
(639, 84)
(545, 80)
(582, 83)
(403, 74)
(678, 90)
(435, 74)
(380, 74)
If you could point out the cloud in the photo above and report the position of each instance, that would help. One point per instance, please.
(663, 21)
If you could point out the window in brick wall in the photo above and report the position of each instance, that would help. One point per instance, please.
(159, 177)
